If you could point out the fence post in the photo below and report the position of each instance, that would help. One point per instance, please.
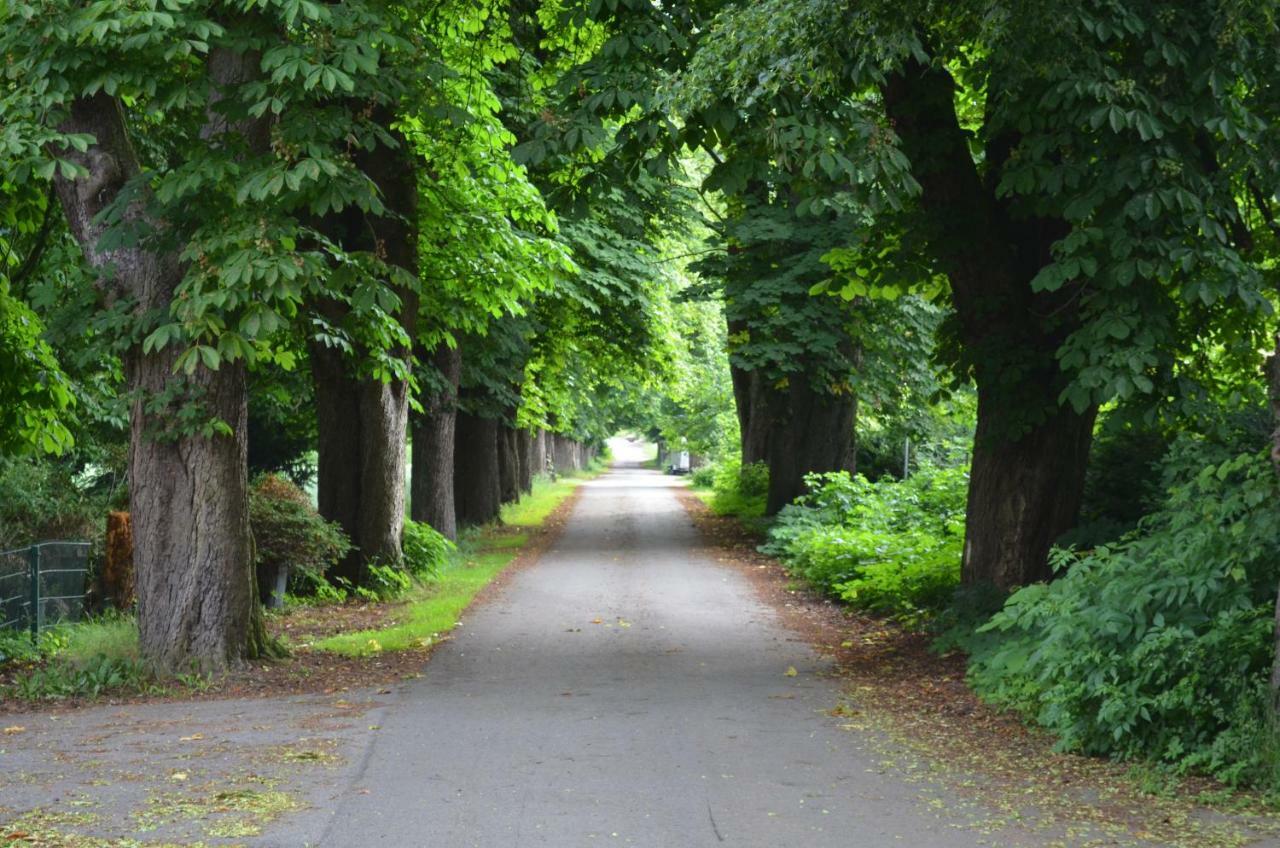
(33, 559)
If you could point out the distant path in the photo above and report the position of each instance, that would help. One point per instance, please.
(626, 690)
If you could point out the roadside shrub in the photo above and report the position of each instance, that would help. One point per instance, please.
(383, 582)
(703, 477)
(17, 647)
(289, 533)
(1159, 645)
(892, 546)
(426, 551)
(739, 489)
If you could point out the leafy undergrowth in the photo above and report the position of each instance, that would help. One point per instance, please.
(732, 489)
(1159, 645)
(913, 708)
(891, 547)
(335, 646)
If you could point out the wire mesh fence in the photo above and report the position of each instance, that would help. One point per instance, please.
(42, 585)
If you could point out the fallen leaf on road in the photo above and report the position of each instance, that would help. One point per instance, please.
(791, 671)
(597, 621)
(192, 738)
(12, 729)
(178, 776)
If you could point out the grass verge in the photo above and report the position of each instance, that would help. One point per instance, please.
(431, 609)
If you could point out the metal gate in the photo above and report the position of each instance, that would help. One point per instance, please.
(42, 585)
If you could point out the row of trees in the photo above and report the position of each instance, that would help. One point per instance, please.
(286, 225)
(1086, 192)
(490, 207)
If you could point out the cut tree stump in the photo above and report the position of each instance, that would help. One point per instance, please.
(117, 566)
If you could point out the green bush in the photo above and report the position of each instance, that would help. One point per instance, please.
(739, 489)
(289, 533)
(17, 646)
(1157, 646)
(703, 477)
(426, 551)
(890, 546)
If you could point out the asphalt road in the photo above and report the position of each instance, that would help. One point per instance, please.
(627, 690)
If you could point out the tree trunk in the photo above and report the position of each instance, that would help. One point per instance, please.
(811, 432)
(751, 399)
(361, 425)
(508, 465)
(477, 492)
(363, 421)
(188, 492)
(525, 455)
(1023, 494)
(189, 505)
(540, 453)
(564, 454)
(559, 446)
(1030, 453)
(433, 438)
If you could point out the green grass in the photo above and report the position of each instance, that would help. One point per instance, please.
(114, 636)
(433, 608)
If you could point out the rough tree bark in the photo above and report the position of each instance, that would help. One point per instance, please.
(431, 486)
(361, 426)
(362, 422)
(1030, 453)
(809, 432)
(751, 400)
(188, 493)
(477, 493)
(508, 465)
(562, 454)
(525, 456)
(540, 453)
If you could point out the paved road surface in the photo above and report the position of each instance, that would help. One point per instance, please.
(628, 691)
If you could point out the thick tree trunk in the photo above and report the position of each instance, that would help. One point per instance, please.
(361, 425)
(433, 438)
(1030, 453)
(188, 499)
(751, 399)
(525, 456)
(188, 492)
(477, 491)
(508, 465)
(811, 432)
(1023, 494)
(363, 421)
(540, 453)
(560, 458)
